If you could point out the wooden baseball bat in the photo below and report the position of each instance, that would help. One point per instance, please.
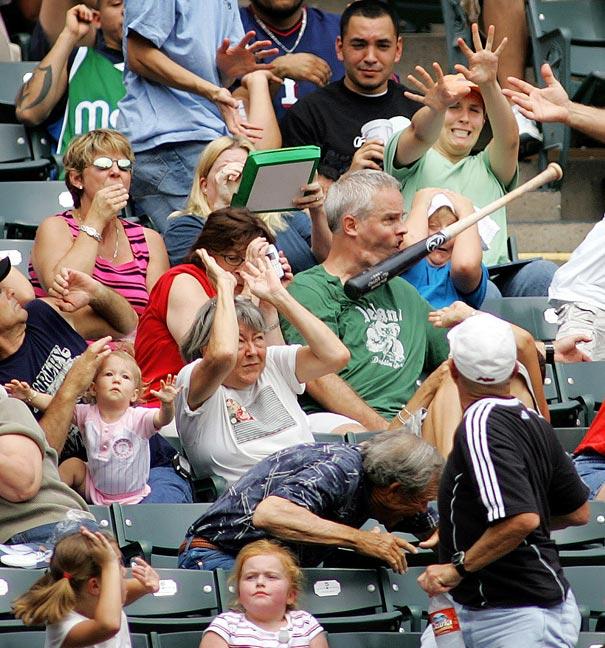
(394, 265)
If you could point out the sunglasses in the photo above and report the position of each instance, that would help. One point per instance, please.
(105, 163)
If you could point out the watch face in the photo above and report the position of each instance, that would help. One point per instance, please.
(458, 558)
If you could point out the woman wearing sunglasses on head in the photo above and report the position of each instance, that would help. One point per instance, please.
(92, 237)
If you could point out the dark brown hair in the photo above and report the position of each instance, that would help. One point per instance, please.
(226, 229)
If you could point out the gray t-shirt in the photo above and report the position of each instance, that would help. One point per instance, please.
(54, 499)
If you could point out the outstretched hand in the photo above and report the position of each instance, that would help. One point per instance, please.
(548, 104)
(567, 350)
(19, 389)
(229, 109)
(438, 93)
(482, 64)
(451, 315)
(168, 390)
(234, 61)
(260, 278)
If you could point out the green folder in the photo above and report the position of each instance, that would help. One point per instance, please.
(272, 179)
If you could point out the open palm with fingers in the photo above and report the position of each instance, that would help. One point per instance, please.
(482, 64)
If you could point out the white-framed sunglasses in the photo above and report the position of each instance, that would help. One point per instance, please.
(105, 163)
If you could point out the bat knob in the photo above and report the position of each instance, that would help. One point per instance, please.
(556, 170)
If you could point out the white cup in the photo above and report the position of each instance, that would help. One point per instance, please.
(380, 129)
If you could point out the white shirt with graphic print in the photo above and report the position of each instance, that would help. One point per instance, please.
(236, 428)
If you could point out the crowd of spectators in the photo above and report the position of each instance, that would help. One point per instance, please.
(127, 335)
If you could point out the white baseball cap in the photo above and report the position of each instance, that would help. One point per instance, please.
(483, 349)
(438, 201)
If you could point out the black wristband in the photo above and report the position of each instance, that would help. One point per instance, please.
(549, 352)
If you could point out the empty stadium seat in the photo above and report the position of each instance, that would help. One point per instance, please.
(570, 437)
(24, 205)
(18, 251)
(187, 639)
(583, 545)
(154, 530)
(534, 314)
(24, 639)
(17, 160)
(402, 592)
(582, 383)
(103, 517)
(13, 76)
(591, 640)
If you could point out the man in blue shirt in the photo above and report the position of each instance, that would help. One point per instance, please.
(306, 40)
(314, 497)
(176, 92)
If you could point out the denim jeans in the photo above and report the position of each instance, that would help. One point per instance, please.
(50, 534)
(532, 280)
(167, 487)
(591, 468)
(209, 559)
(529, 627)
(161, 180)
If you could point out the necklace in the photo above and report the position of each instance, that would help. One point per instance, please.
(115, 251)
(272, 36)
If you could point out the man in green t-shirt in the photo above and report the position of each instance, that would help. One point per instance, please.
(387, 330)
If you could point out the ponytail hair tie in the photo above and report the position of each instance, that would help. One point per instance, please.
(67, 575)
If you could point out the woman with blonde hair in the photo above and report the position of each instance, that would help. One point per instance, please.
(92, 236)
(304, 239)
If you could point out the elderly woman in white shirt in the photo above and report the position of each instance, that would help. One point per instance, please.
(238, 402)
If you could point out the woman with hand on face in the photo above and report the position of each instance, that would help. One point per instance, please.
(231, 236)
(239, 393)
(304, 239)
(92, 237)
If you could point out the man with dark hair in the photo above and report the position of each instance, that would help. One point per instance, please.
(315, 497)
(506, 484)
(369, 45)
(305, 37)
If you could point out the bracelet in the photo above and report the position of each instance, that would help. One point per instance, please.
(91, 231)
(30, 399)
(549, 352)
(272, 327)
(407, 411)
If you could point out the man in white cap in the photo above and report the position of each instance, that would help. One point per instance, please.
(506, 484)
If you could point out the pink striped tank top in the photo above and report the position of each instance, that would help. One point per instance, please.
(128, 279)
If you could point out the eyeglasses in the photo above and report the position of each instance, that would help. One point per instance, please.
(105, 163)
(233, 260)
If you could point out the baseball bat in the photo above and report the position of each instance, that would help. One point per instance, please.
(394, 265)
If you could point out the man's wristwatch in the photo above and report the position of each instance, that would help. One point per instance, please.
(458, 562)
(91, 231)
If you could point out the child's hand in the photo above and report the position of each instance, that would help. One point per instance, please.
(168, 390)
(19, 389)
(146, 575)
(101, 549)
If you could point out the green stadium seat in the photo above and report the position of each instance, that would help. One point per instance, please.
(403, 593)
(583, 545)
(17, 160)
(342, 600)
(374, 640)
(103, 517)
(24, 205)
(187, 639)
(14, 581)
(534, 314)
(587, 585)
(570, 36)
(24, 639)
(570, 437)
(18, 251)
(13, 76)
(154, 530)
(591, 640)
(187, 600)
(582, 384)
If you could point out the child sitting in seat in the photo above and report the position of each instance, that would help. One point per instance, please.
(267, 581)
(80, 597)
(454, 271)
(115, 432)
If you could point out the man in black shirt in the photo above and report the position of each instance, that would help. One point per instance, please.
(332, 117)
(506, 484)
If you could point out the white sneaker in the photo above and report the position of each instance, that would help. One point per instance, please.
(530, 138)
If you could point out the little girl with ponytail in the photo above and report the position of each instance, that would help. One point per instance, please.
(80, 598)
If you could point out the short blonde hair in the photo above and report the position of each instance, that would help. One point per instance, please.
(271, 548)
(82, 151)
